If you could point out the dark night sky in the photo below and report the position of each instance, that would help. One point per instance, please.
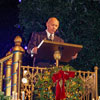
(8, 18)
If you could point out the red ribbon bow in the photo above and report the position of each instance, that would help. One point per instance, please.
(60, 77)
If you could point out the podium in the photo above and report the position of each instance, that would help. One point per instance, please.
(63, 52)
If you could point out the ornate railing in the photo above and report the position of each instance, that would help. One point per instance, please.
(90, 83)
(2, 62)
(9, 67)
(14, 74)
(31, 74)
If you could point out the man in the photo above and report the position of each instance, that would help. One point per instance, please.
(52, 25)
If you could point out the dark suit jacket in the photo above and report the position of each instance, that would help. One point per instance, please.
(37, 37)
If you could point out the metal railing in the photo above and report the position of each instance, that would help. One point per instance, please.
(15, 72)
(89, 79)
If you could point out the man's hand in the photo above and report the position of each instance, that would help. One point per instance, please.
(34, 50)
(75, 56)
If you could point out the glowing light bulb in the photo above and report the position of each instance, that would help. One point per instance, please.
(19, 0)
(24, 80)
(25, 47)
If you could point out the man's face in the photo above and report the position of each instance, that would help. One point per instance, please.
(52, 25)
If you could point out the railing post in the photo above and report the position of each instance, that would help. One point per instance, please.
(17, 58)
(1, 69)
(8, 76)
(96, 81)
(19, 81)
(1, 75)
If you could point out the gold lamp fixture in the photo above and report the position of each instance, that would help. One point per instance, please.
(57, 57)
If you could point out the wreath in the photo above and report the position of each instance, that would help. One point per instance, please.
(45, 88)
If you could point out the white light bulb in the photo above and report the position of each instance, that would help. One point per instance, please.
(19, 0)
(25, 71)
(24, 80)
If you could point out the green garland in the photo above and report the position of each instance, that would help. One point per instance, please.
(3, 97)
(45, 88)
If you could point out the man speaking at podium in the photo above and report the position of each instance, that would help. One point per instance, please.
(52, 25)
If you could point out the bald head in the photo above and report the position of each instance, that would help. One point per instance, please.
(53, 19)
(52, 25)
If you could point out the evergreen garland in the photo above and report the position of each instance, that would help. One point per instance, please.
(3, 97)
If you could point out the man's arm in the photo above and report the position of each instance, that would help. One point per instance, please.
(32, 43)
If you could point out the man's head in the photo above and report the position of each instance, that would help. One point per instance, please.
(52, 24)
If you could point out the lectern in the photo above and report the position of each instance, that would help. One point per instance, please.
(63, 52)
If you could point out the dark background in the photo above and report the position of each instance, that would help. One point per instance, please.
(8, 20)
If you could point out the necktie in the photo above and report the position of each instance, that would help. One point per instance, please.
(51, 37)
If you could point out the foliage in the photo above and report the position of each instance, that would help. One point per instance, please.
(79, 24)
(3, 97)
(45, 88)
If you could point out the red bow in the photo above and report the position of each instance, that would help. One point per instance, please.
(60, 77)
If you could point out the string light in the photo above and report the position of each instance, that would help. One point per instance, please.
(25, 47)
(20, 0)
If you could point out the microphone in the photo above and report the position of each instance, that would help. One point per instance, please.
(52, 38)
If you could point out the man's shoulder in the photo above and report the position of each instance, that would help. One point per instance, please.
(58, 39)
